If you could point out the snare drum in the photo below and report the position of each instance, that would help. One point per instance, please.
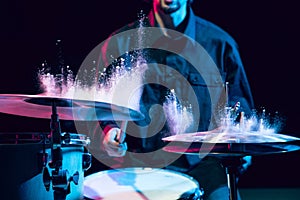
(22, 165)
(140, 184)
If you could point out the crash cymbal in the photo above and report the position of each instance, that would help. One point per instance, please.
(40, 106)
(231, 137)
(232, 150)
(231, 144)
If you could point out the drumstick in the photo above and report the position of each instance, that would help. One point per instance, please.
(242, 122)
(122, 135)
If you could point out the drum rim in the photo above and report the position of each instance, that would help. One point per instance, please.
(91, 176)
(21, 138)
(85, 141)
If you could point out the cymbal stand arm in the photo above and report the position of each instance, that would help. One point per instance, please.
(56, 161)
(58, 176)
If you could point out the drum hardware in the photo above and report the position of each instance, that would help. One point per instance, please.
(231, 147)
(86, 160)
(49, 183)
(58, 176)
(55, 170)
(231, 166)
(67, 139)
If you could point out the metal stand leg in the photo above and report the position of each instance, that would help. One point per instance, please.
(231, 182)
(60, 195)
(231, 166)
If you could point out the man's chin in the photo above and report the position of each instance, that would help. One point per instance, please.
(170, 9)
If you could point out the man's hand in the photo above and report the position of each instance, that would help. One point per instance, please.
(246, 162)
(114, 143)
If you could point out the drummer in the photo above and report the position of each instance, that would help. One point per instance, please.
(175, 56)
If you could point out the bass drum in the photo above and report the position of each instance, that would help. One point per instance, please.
(22, 160)
(140, 184)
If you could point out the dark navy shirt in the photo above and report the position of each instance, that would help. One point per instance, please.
(196, 61)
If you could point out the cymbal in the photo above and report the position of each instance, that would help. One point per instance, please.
(232, 150)
(40, 106)
(216, 136)
(232, 144)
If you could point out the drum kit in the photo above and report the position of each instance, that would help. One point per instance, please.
(56, 158)
(55, 161)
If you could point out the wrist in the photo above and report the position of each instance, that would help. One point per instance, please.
(108, 127)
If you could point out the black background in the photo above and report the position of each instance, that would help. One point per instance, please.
(267, 33)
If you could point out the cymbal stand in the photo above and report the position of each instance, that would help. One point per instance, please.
(59, 177)
(231, 165)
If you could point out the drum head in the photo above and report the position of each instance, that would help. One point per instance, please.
(140, 183)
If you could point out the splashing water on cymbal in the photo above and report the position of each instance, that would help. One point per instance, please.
(120, 83)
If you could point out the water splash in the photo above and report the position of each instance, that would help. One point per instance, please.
(120, 83)
(141, 32)
(120, 86)
(234, 121)
(55, 84)
(179, 116)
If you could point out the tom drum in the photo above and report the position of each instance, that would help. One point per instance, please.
(22, 165)
(140, 184)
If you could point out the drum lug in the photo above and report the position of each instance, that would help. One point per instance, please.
(46, 178)
(75, 178)
(86, 161)
(59, 179)
(66, 138)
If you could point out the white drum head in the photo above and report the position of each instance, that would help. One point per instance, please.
(139, 184)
